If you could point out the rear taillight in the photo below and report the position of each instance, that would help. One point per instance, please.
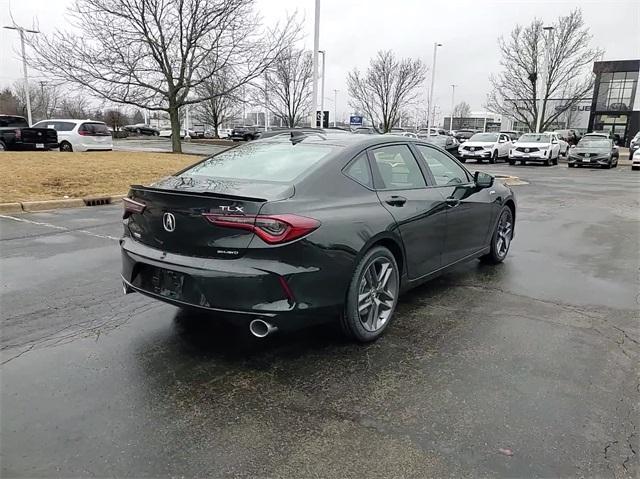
(132, 206)
(272, 229)
(18, 134)
(83, 133)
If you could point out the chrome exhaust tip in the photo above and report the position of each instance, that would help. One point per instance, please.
(126, 289)
(261, 329)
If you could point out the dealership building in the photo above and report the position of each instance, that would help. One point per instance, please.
(615, 105)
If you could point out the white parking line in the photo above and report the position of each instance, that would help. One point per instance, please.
(60, 228)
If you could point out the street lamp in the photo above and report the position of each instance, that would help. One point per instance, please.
(314, 82)
(433, 80)
(24, 65)
(453, 94)
(542, 78)
(335, 106)
(323, 52)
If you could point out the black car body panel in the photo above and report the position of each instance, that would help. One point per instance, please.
(305, 280)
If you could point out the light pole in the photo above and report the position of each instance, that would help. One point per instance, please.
(266, 100)
(316, 46)
(335, 107)
(453, 94)
(24, 66)
(543, 86)
(433, 80)
(323, 52)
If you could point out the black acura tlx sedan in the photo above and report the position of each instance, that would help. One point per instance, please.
(296, 229)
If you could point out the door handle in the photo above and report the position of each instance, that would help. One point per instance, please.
(452, 202)
(396, 200)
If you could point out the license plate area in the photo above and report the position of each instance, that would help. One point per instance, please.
(167, 283)
(39, 145)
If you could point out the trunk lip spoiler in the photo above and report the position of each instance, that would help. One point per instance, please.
(195, 193)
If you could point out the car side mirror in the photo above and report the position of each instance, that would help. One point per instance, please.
(483, 180)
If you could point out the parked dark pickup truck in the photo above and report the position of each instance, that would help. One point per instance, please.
(15, 134)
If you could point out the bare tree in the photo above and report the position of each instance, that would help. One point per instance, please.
(462, 110)
(288, 83)
(221, 105)
(9, 103)
(154, 54)
(115, 118)
(45, 99)
(389, 86)
(74, 107)
(516, 91)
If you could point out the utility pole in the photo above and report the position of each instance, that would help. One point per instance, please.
(433, 80)
(322, 91)
(316, 46)
(24, 65)
(266, 100)
(542, 78)
(453, 94)
(335, 106)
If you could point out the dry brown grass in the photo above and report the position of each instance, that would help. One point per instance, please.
(51, 175)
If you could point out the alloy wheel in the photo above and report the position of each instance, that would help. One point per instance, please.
(377, 294)
(505, 233)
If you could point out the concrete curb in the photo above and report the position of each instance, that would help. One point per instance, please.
(45, 205)
(10, 208)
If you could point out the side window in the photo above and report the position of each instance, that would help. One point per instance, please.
(64, 126)
(445, 171)
(398, 168)
(359, 171)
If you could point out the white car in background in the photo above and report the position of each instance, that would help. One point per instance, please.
(485, 146)
(635, 160)
(538, 147)
(80, 135)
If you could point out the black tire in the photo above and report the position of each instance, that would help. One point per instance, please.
(635, 168)
(512, 162)
(494, 157)
(66, 146)
(3, 147)
(607, 166)
(351, 321)
(523, 163)
(247, 138)
(138, 131)
(156, 133)
(572, 165)
(463, 160)
(547, 162)
(501, 238)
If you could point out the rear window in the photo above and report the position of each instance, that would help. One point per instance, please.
(13, 122)
(95, 129)
(263, 161)
(485, 137)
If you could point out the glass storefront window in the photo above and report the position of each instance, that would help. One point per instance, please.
(616, 91)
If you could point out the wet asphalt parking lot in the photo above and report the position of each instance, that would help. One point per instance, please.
(527, 369)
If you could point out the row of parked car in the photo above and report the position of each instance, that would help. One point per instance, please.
(65, 134)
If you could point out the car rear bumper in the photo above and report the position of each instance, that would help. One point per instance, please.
(245, 288)
(32, 146)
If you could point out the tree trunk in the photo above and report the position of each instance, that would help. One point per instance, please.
(174, 116)
(216, 124)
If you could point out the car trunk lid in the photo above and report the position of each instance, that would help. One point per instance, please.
(173, 220)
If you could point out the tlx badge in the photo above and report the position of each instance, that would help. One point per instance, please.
(235, 209)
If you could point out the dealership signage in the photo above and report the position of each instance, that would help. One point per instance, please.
(355, 120)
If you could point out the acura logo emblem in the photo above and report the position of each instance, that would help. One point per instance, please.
(169, 222)
(526, 150)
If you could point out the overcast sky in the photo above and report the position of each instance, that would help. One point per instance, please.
(353, 31)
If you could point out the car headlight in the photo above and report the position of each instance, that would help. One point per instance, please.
(487, 147)
(544, 147)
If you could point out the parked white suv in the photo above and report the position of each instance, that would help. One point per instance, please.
(485, 146)
(635, 160)
(538, 147)
(80, 135)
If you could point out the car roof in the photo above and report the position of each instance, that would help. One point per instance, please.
(71, 119)
(342, 140)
